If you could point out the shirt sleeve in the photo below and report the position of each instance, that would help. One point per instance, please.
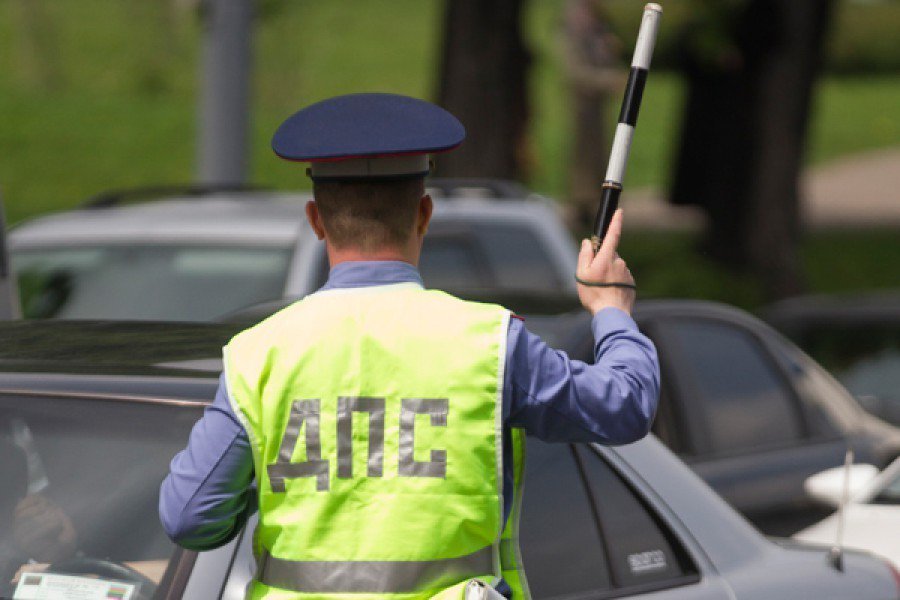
(209, 494)
(558, 399)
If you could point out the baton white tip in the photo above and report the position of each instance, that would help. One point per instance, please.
(653, 6)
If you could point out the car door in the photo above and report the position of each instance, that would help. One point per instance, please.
(743, 426)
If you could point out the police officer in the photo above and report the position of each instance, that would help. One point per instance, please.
(379, 426)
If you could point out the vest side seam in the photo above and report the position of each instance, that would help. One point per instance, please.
(498, 427)
(236, 407)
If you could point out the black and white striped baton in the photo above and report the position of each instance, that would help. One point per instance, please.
(631, 103)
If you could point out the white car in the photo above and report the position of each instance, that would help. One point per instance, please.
(199, 254)
(872, 515)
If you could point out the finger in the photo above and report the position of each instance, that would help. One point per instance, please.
(611, 241)
(585, 256)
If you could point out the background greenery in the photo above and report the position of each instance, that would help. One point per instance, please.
(101, 94)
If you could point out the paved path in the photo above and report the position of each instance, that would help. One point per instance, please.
(861, 191)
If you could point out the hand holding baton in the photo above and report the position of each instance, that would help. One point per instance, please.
(631, 103)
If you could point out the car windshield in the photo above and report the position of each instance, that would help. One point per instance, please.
(150, 282)
(79, 485)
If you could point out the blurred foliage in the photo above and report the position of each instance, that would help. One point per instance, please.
(863, 37)
(122, 109)
(668, 265)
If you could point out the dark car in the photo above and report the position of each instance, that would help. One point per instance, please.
(91, 414)
(856, 337)
(744, 407)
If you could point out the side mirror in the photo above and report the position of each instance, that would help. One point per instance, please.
(828, 486)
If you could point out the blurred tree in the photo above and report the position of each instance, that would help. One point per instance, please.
(483, 81)
(750, 67)
(591, 56)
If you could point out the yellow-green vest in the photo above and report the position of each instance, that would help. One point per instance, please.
(375, 419)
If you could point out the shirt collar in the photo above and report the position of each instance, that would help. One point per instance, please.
(354, 274)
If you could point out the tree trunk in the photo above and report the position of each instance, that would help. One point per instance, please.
(744, 135)
(483, 82)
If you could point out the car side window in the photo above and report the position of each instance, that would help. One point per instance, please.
(562, 551)
(640, 548)
(585, 533)
(734, 385)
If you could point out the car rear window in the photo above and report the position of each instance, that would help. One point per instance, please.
(562, 550)
(79, 487)
(151, 282)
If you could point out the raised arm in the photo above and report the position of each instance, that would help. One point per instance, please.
(612, 401)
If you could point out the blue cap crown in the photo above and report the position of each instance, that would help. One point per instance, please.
(367, 126)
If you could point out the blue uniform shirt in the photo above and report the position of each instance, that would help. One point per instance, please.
(209, 492)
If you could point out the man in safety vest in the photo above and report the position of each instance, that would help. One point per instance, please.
(383, 423)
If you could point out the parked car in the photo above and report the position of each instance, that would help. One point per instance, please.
(742, 406)
(856, 337)
(872, 515)
(91, 413)
(194, 254)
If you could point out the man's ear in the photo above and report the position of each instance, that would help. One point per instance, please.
(423, 218)
(315, 219)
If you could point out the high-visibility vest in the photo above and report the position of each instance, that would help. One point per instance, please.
(375, 419)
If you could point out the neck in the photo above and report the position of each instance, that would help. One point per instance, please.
(337, 256)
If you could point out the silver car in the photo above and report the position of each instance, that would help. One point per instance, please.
(197, 257)
(87, 431)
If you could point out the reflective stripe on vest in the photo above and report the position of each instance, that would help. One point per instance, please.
(375, 418)
(371, 577)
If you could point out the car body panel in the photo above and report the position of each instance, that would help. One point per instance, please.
(871, 527)
(265, 219)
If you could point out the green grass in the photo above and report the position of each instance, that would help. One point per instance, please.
(114, 103)
(854, 114)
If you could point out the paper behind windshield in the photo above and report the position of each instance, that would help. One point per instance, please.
(50, 586)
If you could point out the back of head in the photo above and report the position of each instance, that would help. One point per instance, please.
(369, 214)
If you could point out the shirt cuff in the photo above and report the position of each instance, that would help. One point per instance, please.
(611, 319)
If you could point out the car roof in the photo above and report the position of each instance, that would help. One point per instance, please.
(257, 218)
(113, 347)
(252, 217)
(835, 309)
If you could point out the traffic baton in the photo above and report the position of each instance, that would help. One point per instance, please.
(631, 104)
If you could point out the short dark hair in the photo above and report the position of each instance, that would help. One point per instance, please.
(370, 214)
